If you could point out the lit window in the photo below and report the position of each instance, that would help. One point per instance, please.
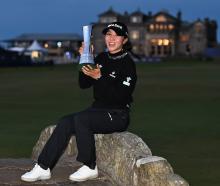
(46, 45)
(151, 27)
(135, 34)
(161, 18)
(35, 54)
(166, 42)
(59, 44)
(171, 27)
(134, 19)
(154, 41)
(184, 38)
(165, 27)
(160, 42)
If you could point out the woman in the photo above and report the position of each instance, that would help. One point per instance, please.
(113, 81)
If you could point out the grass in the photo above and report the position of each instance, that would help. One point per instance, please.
(176, 111)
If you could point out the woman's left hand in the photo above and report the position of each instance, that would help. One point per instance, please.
(94, 73)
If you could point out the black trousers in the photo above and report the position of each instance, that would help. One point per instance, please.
(83, 125)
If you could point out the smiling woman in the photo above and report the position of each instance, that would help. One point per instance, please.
(113, 81)
(114, 42)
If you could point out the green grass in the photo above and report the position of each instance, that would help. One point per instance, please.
(176, 112)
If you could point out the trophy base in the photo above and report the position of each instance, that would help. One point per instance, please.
(85, 64)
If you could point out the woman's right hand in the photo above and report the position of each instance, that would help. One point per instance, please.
(82, 47)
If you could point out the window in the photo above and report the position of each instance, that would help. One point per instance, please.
(161, 18)
(46, 45)
(158, 49)
(108, 19)
(35, 54)
(135, 34)
(154, 41)
(135, 48)
(171, 27)
(165, 27)
(153, 50)
(151, 27)
(166, 42)
(135, 19)
(161, 42)
(198, 27)
(184, 37)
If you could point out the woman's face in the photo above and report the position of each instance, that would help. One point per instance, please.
(114, 42)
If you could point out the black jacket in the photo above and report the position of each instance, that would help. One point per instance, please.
(115, 87)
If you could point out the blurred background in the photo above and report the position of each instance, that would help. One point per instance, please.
(177, 54)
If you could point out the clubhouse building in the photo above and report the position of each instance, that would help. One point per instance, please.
(160, 34)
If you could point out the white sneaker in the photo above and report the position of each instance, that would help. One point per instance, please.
(37, 173)
(84, 173)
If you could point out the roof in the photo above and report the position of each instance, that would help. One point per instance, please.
(35, 46)
(109, 12)
(138, 13)
(16, 49)
(47, 37)
(166, 14)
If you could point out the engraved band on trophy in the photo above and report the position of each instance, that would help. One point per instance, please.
(87, 57)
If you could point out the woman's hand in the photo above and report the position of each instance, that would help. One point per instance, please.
(94, 73)
(82, 47)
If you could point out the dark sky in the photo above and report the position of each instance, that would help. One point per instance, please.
(68, 16)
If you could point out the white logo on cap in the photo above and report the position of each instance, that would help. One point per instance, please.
(115, 25)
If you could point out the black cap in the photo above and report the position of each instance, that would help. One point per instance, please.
(119, 28)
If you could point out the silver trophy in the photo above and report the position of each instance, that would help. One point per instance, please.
(87, 57)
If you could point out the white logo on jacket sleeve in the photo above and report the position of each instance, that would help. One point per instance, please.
(112, 74)
(127, 82)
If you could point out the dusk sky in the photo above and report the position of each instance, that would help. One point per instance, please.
(68, 16)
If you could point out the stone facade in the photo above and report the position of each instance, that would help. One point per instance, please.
(160, 34)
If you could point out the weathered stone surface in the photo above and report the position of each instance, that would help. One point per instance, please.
(124, 158)
(117, 154)
(71, 149)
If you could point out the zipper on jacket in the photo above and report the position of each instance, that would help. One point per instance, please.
(110, 116)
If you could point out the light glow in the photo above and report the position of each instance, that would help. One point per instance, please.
(35, 54)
